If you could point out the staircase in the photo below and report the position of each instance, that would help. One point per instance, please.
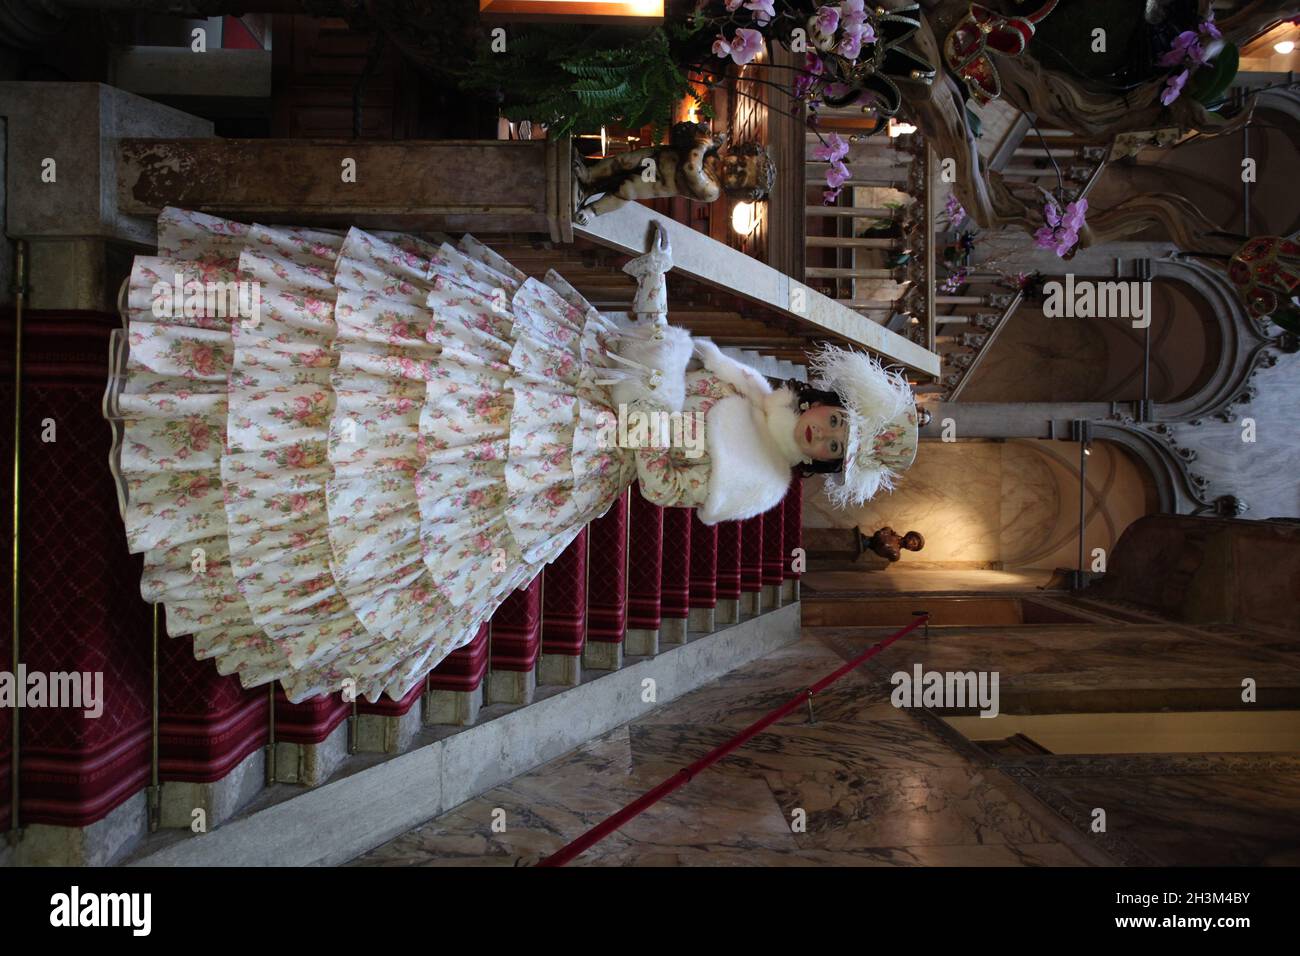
(969, 319)
(771, 367)
(841, 259)
(645, 605)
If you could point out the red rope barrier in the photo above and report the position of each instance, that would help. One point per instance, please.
(684, 776)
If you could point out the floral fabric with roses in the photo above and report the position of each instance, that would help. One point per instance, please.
(338, 494)
(674, 476)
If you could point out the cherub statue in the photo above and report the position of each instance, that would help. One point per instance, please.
(693, 164)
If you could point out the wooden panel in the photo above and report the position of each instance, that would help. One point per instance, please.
(317, 62)
(327, 50)
(405, 185)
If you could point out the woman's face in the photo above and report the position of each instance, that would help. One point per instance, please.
(822, 432)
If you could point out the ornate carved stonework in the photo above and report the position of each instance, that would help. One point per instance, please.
(1156, 443)
(1263, 357)
(1225, 506)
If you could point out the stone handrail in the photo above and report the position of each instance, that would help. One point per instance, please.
(702, 258)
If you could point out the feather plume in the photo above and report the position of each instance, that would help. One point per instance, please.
(873, 397)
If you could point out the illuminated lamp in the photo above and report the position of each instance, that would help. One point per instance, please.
(574, 11)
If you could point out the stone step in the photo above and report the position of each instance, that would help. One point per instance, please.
(353, 813)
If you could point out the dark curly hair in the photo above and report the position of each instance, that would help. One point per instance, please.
(817, 396)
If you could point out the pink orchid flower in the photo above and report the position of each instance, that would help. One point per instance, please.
(1182, 43)
(837, 175)
(1073, 218)
(953, 209)
(763, 11)
(746, 45)
(850, 46)
(1174, 87)
(833, 149)
(828, 19)
(1061, 233)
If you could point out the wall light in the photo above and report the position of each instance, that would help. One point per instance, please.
(744, 217)
(1285, 47)
(577, 11)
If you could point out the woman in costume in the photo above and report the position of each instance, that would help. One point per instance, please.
(335, 487)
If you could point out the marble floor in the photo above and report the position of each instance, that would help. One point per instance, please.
(866, 784)
(901, 579)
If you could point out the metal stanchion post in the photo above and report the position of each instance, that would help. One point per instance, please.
(20, 301)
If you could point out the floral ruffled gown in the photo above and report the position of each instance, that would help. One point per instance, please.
(338, 494)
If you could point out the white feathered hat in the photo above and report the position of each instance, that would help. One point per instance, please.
(883, 431)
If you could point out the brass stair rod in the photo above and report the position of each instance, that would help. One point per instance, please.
(155, 788)
(270, 735)
(541, 625)
(627, 567)
(20, 300)
(586, 592)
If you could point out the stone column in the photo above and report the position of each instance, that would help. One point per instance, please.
(1016, 419)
